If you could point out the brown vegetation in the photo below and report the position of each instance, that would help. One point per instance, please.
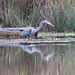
(18, 13)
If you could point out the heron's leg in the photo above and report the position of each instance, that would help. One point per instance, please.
(30, 38)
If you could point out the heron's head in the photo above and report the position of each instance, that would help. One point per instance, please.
(46, 21)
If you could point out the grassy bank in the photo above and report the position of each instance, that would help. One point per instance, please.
(41, 35)
(56, 35)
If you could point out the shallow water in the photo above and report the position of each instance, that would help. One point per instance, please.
(37, 59)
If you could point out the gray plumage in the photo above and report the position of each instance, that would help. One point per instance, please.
(25, 33)
(29, 31)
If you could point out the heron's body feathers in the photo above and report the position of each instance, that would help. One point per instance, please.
(30, 31)
(26, 33)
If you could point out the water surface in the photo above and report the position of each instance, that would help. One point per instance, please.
(37, 59)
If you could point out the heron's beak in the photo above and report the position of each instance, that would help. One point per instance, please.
(52, 25)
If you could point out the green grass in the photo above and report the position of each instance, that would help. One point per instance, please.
(54, 34)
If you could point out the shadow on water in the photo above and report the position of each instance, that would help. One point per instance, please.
(37, 59)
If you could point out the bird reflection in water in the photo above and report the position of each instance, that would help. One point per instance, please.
(30, 49)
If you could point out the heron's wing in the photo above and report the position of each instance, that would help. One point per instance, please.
(26, 33)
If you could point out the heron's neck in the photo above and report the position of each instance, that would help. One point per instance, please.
(38, 28)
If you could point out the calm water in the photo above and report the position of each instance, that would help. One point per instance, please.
(37, 59)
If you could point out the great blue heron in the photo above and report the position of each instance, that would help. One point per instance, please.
(30, 31)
